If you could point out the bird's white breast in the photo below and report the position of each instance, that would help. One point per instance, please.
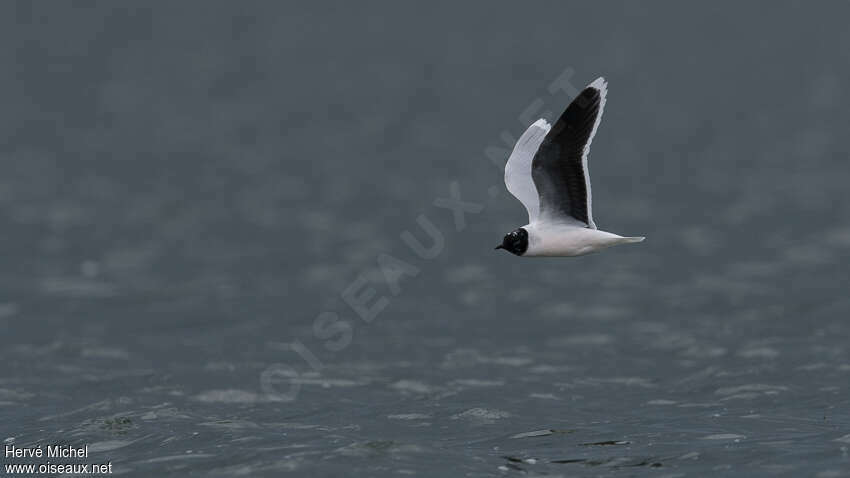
(566, 240)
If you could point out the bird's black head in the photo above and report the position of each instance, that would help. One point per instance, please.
(515, 242)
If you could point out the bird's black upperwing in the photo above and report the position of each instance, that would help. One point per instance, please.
(559, 168)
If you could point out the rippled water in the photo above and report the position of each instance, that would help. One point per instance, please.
(189, 191)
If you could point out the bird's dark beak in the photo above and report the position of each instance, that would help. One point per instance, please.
(498, 247)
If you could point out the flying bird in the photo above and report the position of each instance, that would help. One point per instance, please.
(547, 172)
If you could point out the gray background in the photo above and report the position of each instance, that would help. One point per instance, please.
(186, 186)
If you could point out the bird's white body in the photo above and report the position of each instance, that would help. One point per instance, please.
(567, 240)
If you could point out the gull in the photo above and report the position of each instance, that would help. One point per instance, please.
(547, 172)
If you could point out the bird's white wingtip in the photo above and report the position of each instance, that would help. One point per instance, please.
(542, 123)
(599, 83)
(634, 239)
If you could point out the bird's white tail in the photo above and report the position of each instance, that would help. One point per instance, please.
(628, 240)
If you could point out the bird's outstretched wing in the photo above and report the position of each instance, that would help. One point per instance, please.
(518, 169)
(559, 167)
